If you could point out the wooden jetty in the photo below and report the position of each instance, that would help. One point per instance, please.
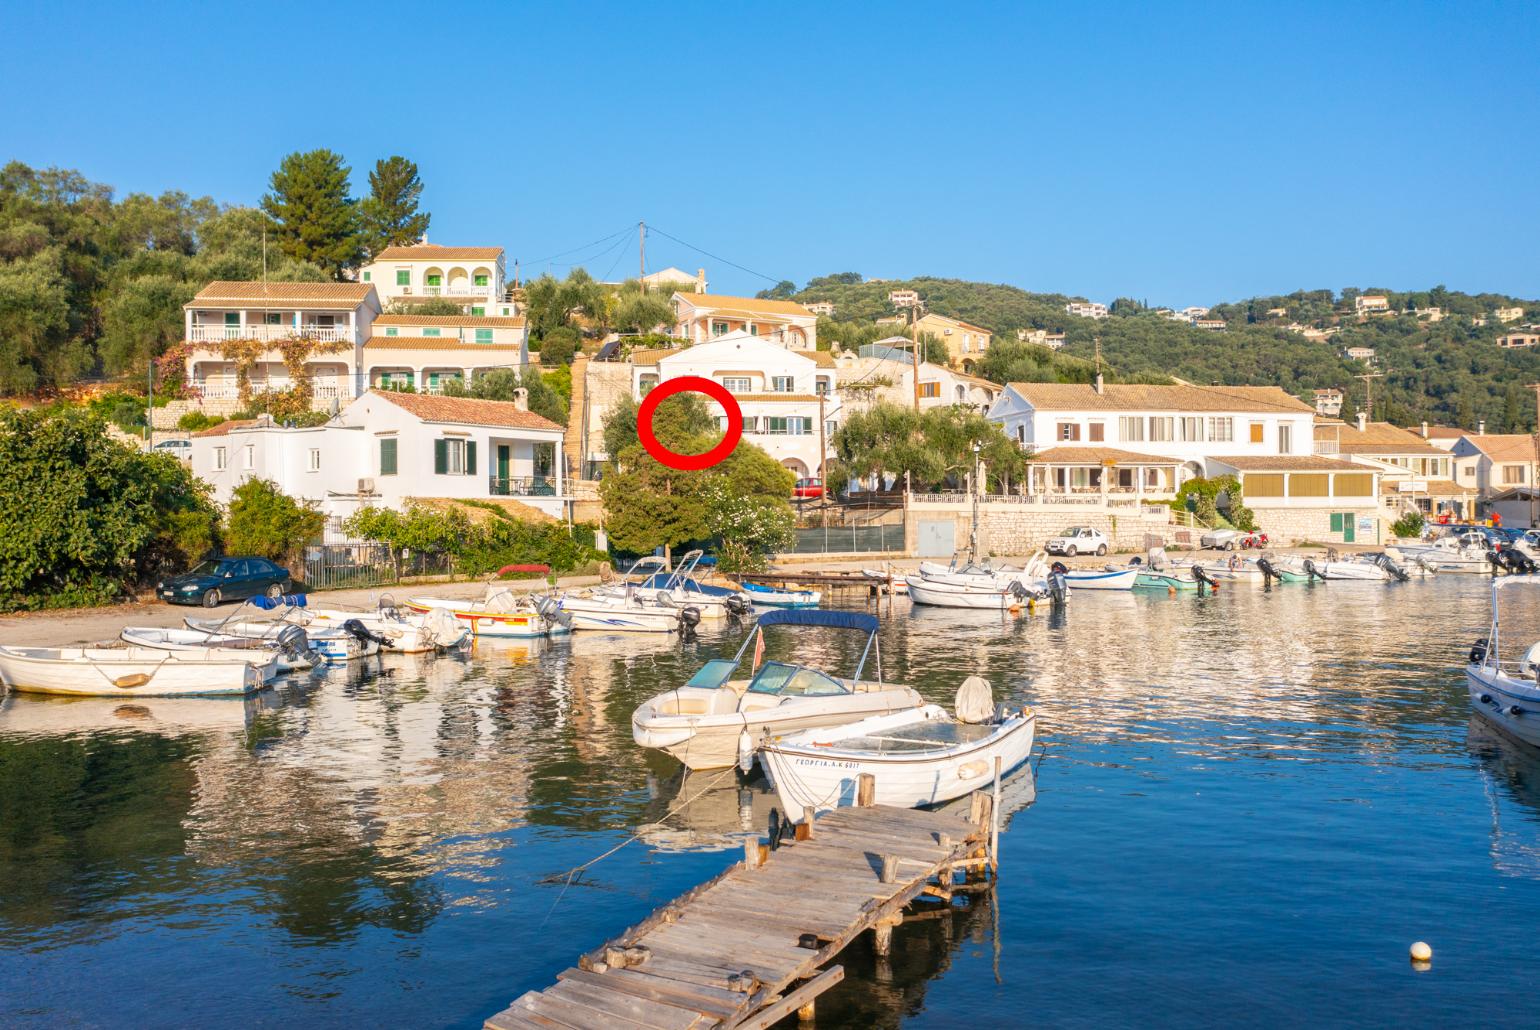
(751, 946)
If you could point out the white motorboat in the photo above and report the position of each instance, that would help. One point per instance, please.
(1506, 692)
(918, 757)
(982, 595)
(286, 658)
(628, 611)
(777, 597)
(345, 644)
(982, 586)
(409, 632)
(1361, 569)
(1110, 578)
(129, 672)
(500, 613)
(1465, 540)
(679, 588)
(715, 720)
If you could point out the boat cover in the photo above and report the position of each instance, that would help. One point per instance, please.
(818, 617)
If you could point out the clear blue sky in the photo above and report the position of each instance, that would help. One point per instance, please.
(1183, 154)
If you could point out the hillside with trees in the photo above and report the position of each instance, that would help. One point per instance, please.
(1448, 372)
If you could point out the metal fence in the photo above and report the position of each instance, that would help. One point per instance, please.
(337, 560)
(846, 529)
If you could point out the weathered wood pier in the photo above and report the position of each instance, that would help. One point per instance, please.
(752, 946)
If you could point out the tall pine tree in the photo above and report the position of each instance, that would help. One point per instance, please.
(390, 214)
(317, 220)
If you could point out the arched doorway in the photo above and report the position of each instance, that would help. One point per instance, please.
(797, 466)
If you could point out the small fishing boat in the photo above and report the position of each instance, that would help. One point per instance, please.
(983, 586)
(1282, 570)
(409, 632)
(715, 719)
(1102, 579)
(1506, 692)
(983, 594)
(347, 643)
(500, 613)
(775, 597)
(1366, 568)
(630, 611)
(129, 672)
(883, 579)
(288, 655)
(678, 588)
(918, 757)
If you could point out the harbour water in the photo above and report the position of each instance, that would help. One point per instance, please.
(1247, 806)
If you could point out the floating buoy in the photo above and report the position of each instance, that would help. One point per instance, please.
(1421, 952)
(1170, 590)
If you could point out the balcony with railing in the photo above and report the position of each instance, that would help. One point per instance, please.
(220, 333)
(459, 290)
(521, 486)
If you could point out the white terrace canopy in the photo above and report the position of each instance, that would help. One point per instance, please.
(1104, 471)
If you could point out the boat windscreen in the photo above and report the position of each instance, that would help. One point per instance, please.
(795, 681)
(713, 674)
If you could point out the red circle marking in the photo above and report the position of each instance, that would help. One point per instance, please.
(689, 384)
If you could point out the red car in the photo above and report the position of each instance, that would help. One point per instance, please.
(807, 489)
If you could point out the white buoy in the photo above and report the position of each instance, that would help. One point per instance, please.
(1421, 952)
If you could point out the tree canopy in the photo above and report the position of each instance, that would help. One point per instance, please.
(934, 448)
(390, 214)
(316, 219)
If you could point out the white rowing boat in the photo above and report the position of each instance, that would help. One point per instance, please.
(335, 646)
(918, 757)
(243, 649)
(1506, 692)
(128, 672)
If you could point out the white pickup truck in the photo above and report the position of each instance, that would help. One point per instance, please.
(1078, 540)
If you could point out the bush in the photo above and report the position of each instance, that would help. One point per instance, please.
(194, 421)
(1409, 526)
(557, 347)
(268, 523)
(478, 548)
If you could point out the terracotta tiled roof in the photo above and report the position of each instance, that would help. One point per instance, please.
(228, 426)
(1443, 432)
(1290, 463)
(751, 305)
(1134, 397)
(1376, 438)
(466, 410)
(821, 358)
(955, 321)
(652, 356)
(467, 321)
(308, 294)
(1505, 446)
(478, 515)
(1097, 456)
(432, 251)
(435, 343)
(1434, 487)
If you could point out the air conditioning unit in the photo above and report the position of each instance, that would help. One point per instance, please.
(366, 485)
(406, 289)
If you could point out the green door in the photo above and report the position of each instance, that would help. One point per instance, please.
(1348, 523)
(504, 454)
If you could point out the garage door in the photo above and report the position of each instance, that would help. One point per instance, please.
(938, 538)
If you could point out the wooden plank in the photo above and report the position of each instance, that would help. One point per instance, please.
(510, 1019)
(711, 941)
(579, 1017)
(656, 1014)
(717, 956)
(794, 1000)
(521, 1008)
(717, 1004)
(660, 915)
(807, 919)
(756, 928)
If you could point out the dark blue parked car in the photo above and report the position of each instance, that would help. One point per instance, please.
(225, 579)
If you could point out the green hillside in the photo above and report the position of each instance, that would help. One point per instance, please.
(1449, 372)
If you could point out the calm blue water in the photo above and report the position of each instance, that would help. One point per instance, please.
(1247, 807)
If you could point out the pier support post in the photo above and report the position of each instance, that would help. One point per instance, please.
(805, 1013)
(807, 820)
(751, 853)
(882, 936)
(994, 820)
(889, 868)
(866, 790)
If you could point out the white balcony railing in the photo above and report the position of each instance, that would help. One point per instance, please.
(269, 333)
(483, 292)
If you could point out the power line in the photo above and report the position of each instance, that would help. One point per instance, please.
(714, 257)
(624, 232)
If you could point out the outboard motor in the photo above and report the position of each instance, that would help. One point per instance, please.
(1312, 571)
(1265, 564)
(1478, 651)
(737, 606)
(1396, 572)
(1496, 558)
(387, 607)
(689, 618)
(294, 643)
(1204, 579)
(1058, 583)
(359, 632)
(550, 610)
(1517, 561)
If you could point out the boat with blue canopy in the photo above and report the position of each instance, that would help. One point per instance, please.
(723, 712)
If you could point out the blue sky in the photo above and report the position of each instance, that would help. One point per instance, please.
(1180, 153)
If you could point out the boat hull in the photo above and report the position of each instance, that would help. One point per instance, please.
(1085, 579)
(1495, 697)
(593, 615)
(809, 776)
(234, 649)
(769, 597)
(336, 647)
(127, 672)
(952, 595)
(516, 624)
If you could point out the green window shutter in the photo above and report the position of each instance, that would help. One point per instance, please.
(478, 312)
(388, 456)
(366, 276)
(430, 332)
(470, 457)
(483, 336)
(435, 280)
(481, 280)
(403, 277)
(390, 331)
(440, 457)
(1336, 522)
(232, 318)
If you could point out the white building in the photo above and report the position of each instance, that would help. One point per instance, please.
(1086, 309)
(1364, 354)
(1512, 314)
(1194, 313)
(1328, 402)
(821, 307)
(426, 352)
(1189, 423)
(474, 276)
(387, 448)
(699, 317)
(788, 397)
(670, 279)
(883, 372)
(904, 298)
(1370, 303)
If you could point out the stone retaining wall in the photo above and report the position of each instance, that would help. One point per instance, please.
(1286, 527)
(1014, 529)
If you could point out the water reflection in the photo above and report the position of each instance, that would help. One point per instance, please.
(390, 825)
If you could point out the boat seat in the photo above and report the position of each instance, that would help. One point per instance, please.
(1531, 660)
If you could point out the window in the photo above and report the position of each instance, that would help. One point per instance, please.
(738, 384)
(388, 447)
(1068, 431)
(1285, 439)
(1256, 432)
(250, 457)
(435, 280)
(1161, 428)
(1221, 428)
(930, 389)
(478, 312)
(1130, 428)
(751, 424)
(1306, 484)
(753, 329)
(272, 318)
(483, 336)
(830, 427)
(782, 384)
(647, 382)
(403, 277)
(1355, 484)
(481, 279)
(454, 457)
(391, 331)
(1021, 433)
(315, 459)
(219, 459)
(1513, 473)
(430, 332)
(821, 387)
(778, 425)
(1096, 432)
(396, 380)
(1192, 429)
(366, 276)
(718, 328)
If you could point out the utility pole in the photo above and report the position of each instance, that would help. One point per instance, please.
(823, 449)
(914, 334)
(1534, 472)
(1368, 378)
(641, 247)
(149, 409)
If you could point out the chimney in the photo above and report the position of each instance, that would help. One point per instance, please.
(1481, 428)
(1363, 421)
(521, 399)
(700, 280)
(1099, 388)
(1425, 430)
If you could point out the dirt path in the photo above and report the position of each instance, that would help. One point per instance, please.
(71, 626)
